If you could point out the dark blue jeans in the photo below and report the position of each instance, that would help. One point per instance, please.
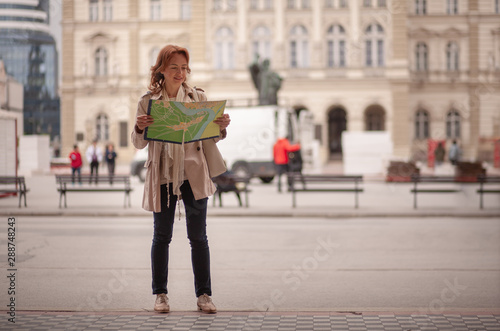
(78, 171)
(196, 216)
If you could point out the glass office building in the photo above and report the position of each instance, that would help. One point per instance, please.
(29, 54)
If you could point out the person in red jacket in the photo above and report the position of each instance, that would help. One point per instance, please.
(280, 151)
(76, 163)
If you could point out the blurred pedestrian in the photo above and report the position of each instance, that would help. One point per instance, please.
(454, 153)
(94, 156)
(439, 153)
(280, 153)
(177, 171)
(295, 162)
(110, 157)
(76, 164)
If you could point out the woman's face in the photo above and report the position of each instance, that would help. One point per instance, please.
(176, 71)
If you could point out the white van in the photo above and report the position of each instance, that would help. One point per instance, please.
(248, 148)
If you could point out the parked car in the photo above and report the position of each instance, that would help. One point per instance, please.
(137, 164)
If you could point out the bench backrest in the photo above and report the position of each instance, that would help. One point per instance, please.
(454, 179)
(65, 179)
(488, 179)
(12, 180)
(325, 178)
(433, 179)
(227, 182)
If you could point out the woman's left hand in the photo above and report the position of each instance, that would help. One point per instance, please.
(223, 121)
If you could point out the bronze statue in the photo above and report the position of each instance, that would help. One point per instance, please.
(266, 82)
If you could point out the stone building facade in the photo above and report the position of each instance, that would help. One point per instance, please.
(414, 68)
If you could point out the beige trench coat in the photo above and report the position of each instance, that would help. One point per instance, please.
(195, 164)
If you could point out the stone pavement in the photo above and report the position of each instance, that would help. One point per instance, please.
(269, 273)
(245, 321)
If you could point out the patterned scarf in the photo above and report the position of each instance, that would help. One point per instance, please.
(174, 156)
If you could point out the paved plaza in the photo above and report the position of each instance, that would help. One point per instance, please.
(391, 272)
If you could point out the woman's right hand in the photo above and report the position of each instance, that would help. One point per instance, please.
(143, 121)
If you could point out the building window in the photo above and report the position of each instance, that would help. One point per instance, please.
(153, 55)
(155, 10)
(290, 4)
(299, 54)
(224, 49)
(421, 57)
(343, 3)
(382, 3)
(328, 3)
(422, 124)
(375, 119)
(185, 10)
(101, 62)
(306, 4)
(374, 46)
(420, 7)
(497, 6)
(268, 4)
(93, 10)
(102, 128)
(107, 10)
(367, 3)
(261, 42)
(336, 42)
(254, 4)
(452, 56)
(217, 5)
(452, 7)
(231, 5)
(123, 134)
(453, 124)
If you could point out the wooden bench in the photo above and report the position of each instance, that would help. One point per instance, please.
(484, 179)
(14, 185)
(297, 180)
(231, 183)
(117, 183)
(417, 179)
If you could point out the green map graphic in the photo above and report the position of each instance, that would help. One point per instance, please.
(189, 121)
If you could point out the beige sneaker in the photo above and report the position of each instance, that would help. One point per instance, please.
(206, 305)
(161, 303)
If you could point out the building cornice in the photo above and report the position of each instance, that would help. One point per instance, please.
(100, 35)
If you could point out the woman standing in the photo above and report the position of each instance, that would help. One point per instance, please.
(176, 172)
